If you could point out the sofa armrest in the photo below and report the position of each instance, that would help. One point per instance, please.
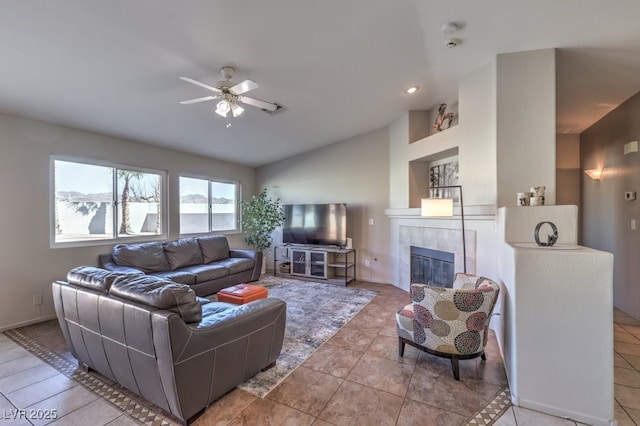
(246, 253)
(242, 340)
(255, 255)
(106, 262)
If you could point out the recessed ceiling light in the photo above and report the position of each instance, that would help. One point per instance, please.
(412, 89)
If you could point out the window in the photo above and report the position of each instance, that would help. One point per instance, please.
(208, 205)
(93, 202)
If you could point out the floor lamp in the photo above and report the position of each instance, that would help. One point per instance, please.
(443, 207)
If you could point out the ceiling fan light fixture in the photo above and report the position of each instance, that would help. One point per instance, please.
(223, 108)
(236, 109)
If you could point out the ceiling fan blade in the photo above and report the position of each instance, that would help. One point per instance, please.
(197, 83)
(194, 101)
(258, 103)
(244, 87)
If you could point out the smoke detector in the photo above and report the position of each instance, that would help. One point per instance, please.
(449, 28)
(452, 42)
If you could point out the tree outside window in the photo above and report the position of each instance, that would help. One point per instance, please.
(96, 202)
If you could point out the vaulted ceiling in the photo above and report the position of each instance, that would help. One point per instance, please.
(338, 67)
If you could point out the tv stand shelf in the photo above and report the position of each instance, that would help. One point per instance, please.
(331, 264)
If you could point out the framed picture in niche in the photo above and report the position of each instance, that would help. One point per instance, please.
(444, 173)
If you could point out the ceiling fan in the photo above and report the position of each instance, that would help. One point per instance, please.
(231, 95)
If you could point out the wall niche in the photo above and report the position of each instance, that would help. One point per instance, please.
(439, 169)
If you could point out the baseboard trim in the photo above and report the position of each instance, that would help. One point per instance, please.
(28, 322)
(563, 413)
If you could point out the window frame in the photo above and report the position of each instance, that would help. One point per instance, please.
(115, 202)
(210, 180)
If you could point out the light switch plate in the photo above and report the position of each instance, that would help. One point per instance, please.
(630, 195)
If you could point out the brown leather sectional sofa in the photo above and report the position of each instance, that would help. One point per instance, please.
(158, 339)
(206, 264)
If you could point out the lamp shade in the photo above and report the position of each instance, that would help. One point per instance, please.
(437, 207)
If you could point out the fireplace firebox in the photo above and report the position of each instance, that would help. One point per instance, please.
(433, 267)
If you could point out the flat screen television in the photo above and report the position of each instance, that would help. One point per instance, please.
(315, 224)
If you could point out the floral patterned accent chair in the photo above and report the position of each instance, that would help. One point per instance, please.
(449, 322)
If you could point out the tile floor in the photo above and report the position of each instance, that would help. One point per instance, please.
(354, 378)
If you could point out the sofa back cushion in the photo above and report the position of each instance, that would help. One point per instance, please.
(94, 278)
(214, 247)
(183, 252)
(159, 293)
(149, 257)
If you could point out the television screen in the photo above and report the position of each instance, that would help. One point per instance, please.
(315, 224)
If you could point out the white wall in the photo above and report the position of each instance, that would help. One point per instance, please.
(27, 263)
(568, 174)
(554, 301)
(474, 139)
(355, 172)
(526, 125)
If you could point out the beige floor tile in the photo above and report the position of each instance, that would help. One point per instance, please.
(525, 417)
(354, 405)
(633, 329)
(634, 360)
(368, 321)
(491, 371)
(619, 361)
(627, 377)
(7, 344)
(333, 360)
(627, 348)
(98, 412)
(621, 416)
(387, 347)
(625, 337)
(224, 410)
(634, 414)
(10, 415)
(627, 396)
(507, 419)
(17, 365)
(123, 420)
(27, 377)
(306, 390)
(434, 384)
(390, 329)
(383, 374)
(266, 412)
(64, 403)
(40, 391)
(414, 413)
(351, 338)
(13, 353)
(320, 422)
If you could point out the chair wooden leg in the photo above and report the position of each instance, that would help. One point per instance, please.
(483, 356)
(400, 347)
(455, 367)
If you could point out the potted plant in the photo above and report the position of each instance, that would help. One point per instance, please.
(261, 215)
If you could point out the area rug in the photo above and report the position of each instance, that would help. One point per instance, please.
(315, 312)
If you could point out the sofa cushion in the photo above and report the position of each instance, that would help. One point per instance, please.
(149, 257)
(94, 278)
(180, 277)
(214, 247)
(207, 272)
(237, 264)
(159, 293)
(183, 252)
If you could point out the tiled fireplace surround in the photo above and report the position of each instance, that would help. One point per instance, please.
(447, 240)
